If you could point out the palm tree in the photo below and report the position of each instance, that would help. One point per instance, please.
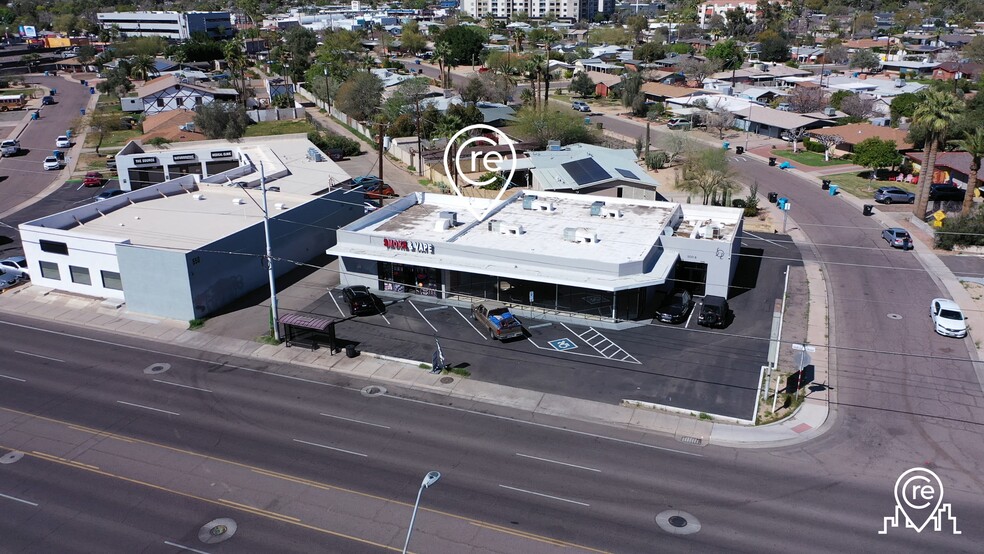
(442, 53)
(935, 116)
(973, 144)
(519, 36)
(534, 69)
(142, 66)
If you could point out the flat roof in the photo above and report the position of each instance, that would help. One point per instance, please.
(186, 221)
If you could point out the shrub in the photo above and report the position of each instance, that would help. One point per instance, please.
(325, 142)
(813, 146)
(159, 141)
(657, 160)
(962, 231)
(737, 203)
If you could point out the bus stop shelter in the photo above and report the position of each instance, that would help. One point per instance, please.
(308, 330)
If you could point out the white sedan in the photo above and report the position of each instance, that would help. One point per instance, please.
(948, 319)
(51, 162)
(63, 142)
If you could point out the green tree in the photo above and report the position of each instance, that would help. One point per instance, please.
(540, 126)
(774, 49)
(102, 124)
(934, 117)
(864, 59)
(973, 144)
(117, 82)
(222, 120)
(838, 97)
(649, 52)
(904, 105)
(729, 54)
(637, 24)
(360, 96)
(299, 42)
(582, 84)
(413, 42)
(142, 67)
(465, 44)
(705, 172)
(737, 24)
(875, 153)
(974, 50)
(86, 53)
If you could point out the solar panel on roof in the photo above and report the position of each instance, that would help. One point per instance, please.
(585, 171)
(627, 174)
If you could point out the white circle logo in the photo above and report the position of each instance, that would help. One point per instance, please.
(480, 152)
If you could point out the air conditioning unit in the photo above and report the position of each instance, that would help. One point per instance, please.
(452, 217)
(829, 111)
(542, 206)
(596, 208)
(580, 235)
(280, 206)
(238, 201)
(198, 196)
(553, 145)
(528, 201)
(899, 83)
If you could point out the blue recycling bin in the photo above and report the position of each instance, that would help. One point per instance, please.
(833, 190)
(781, 203)
(82, 111)
(35, 116)
(92, 90)
(587, 120)
(68, 133)
(726, 145)
(58, 154)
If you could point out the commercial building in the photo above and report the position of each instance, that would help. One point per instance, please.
(572, 10)
(170, 25)
(576, 255)
(184, 248)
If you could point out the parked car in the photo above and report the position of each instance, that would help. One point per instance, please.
(675, 307)
(362, 302)
(784, 107)
(948, 318)
(93, 179)
(497, 318)
(63, 142)
(47, 100)
(365, 180)
(887, 195)
(580, 106)
(714, 312)
(51, 162)
(945, 193)
(897, 237)
(379, 191)
(16, 265)
(679, 123)
(107, 194)
(10, 147)
(7, 279)
(110, 162)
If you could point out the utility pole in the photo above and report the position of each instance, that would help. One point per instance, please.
(327, 93)
(269, 258)
(380, 124)
(648, 124)
(420, 152)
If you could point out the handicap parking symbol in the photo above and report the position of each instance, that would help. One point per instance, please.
(562, 344)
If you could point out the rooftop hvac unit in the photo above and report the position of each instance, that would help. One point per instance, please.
(510, 229)
(443, 224)
(899, 83)
(763, 67)
(596, 207)
(830, 111)
(238, 201)
(580, 235)
(452, 217)
(612, 212)
(543, 206)
(280, 206)
(528, 200)
(553, 145)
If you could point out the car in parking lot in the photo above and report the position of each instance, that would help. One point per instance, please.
(897, 237)
(945, 193)
(107, 194)
(15, 265)
(51, 162)
(93, 179)
(714, 312)
(361, 301)
(948, 318)
(580, 106)
(675, 307)
(379, 191)
(7, 279)
(888, 195)
(63, 142)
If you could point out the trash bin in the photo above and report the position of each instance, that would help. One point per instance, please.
(54, 91)
(739, 150)
(907, 244)
(600, 125)
(726, 145)
(587, 120)
(350, 351)
(83, 83)
(82, 111)
(833, 190)
(773, 197)
(772, 162)
(868, 208)
(92, 90)
(58, 154)
(68, 133)
(825, 184)
(781, 203)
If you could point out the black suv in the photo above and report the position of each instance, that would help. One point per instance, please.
(361, 301)
(675, 307)
(713, 312)
(945, 192)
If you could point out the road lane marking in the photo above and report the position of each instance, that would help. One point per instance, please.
(147, 407)
(188, 548)
(470, 324)
(545, 495)
(422, 315)
(332, 448)
(13, 378)
(259, 511)
(38, 356)
(21, 500)
(557, 462)
(356, 421)
(180, 385)
(287, 477)
(52, 458)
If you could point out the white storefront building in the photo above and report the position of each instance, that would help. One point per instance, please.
(568, 254)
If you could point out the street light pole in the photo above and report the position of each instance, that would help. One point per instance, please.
(429, 479)
(269, 257)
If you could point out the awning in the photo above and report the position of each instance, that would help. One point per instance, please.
(306, 321)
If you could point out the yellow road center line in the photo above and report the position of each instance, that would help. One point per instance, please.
(258, 510)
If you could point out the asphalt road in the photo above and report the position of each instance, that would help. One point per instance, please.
(22, 177)
(234, 442)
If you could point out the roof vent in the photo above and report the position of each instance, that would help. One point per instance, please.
(580, 235)
(830, 111)
(504, 228)
(542, 206)
(528, 200)
(443, 224)
(899, 83)
(596, 207)
(451, 217)
(612, 212)
(238, 201)
(764, 67)
(198, 196)
(280, 206)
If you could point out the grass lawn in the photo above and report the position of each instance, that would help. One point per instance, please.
(113, 139)
(282, 127)
(859, 185)
(812, 159)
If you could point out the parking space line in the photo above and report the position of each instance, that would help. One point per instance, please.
(472, 325)
(331, 295)
(384, 319)
(626, 357)
(422, 315)
(691, 316)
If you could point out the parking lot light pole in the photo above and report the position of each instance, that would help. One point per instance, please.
(429, 479)
(269, 258)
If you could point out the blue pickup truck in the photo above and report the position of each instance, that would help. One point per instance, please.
(501, 323)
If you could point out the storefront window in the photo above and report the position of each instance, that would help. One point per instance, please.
(425, 281)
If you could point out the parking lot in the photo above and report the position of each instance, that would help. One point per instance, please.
(685, 366)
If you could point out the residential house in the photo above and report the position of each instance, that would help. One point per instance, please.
(951, 167)
(170, 93)
(762, 75)
(605, 84)
(595, 65)
(948, 71)
(859, 132)
(658, 92)
(586, 169)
